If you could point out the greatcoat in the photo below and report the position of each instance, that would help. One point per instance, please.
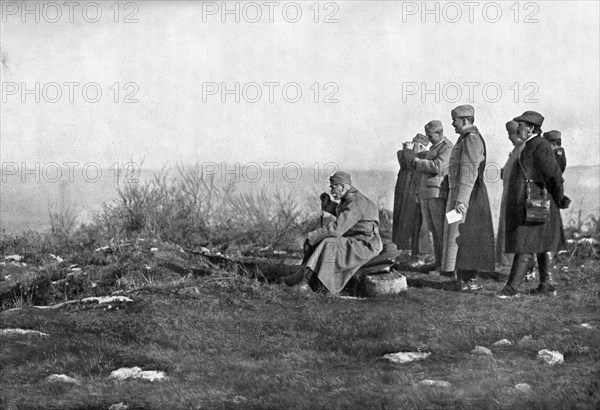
(469, 243)
(501, 256)
(347, 243)
(407, 218)
(539, 162)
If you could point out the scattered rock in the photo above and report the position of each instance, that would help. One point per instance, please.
(62, 378)
(14, 258)
(503, 342)
(550, 357)
(118, 406)
(524, 387)
(435, 383)
(125, 373)
(587, 326)
(482, 351)
(57, 258)
(22, 332)
(406, 357)
(588, 241)
(387, 284)
(153, 250)
(189, 291)
(526, 339)
(352, 298)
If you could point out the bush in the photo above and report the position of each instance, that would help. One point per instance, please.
(583, 236)
(192, 209)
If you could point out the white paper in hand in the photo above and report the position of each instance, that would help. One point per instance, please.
(453, 216)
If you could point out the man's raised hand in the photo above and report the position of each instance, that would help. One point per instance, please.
(325, 200)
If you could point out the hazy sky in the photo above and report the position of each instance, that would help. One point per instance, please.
(376, 61)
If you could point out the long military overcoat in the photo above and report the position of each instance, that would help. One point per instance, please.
(539, 162)
(347, 243)
(469, 244)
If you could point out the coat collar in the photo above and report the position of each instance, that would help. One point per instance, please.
(350, 192)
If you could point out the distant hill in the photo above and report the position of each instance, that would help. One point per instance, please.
(23, 201)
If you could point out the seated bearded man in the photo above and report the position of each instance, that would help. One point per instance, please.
(333, 253)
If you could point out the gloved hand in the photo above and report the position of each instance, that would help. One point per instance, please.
(325, 200)
(564, 202)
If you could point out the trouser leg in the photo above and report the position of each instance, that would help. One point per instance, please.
(436, 214)
(416, 231)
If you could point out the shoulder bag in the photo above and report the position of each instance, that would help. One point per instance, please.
(537, 202)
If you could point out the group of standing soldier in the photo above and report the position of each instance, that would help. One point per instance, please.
(432, 184)
(450, 177)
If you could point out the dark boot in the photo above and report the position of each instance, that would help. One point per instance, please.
(467, 280)
(546, 268)
(519, 269)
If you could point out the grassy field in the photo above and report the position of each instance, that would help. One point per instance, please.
(239, 342)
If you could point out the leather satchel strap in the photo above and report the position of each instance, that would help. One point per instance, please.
(528, 181)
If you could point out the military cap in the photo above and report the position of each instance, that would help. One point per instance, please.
(531, 117)
(340, 177)
(421, 139)
(553, 135)
(433, 126)
(512, 126)
(463, 111)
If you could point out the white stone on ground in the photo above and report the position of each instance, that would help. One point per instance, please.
(503, 342)
(15, 258)
(118, 406)
(22, 332)
(386, 284)
(587, 326)
(125, 373)
(482, 351)
(406, 357)
(61, 378)
(550, 357)
(524, 387)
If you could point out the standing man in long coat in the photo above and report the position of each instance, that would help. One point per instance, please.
(432, 193)
(333, 253)
(537, 162)
(407, 218)
(511, 127)
(468, 243)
